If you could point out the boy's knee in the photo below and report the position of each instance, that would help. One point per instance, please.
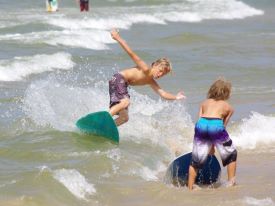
(125, 103)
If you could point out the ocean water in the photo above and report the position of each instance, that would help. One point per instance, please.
(54, 68)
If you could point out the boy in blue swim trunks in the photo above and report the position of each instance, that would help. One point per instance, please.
(210, 130)
(141, 74)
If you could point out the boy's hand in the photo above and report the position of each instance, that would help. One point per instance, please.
(115, 34)
(180, 95)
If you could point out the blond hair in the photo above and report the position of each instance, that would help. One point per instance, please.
(219, 90)
(163, 63)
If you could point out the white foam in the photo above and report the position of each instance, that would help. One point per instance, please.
(147, 173)
(193, 11)
(4, 24)
(20, 67)
(158, 121)
(96, 40)
(114, 154)
(43, 168)
(230, 9)
(48, 101)
(92, 30)
(75, 182)
(84, 154)
(92, 39)
(92, 23)
(253, 131)
(251, 201)
(7, 19)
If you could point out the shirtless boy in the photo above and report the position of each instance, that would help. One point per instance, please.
(141, 74)
(214, 115)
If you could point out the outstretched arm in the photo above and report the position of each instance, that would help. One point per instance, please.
(139, 62)
(164, 94)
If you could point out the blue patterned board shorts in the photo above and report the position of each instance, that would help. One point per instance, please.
(208, 132)
(117, 89)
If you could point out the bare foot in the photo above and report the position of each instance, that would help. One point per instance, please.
(231, 182)
(196, 187)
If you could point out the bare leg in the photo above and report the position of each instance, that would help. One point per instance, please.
(191, 177)
(212, 150)
(123, 104)
(122, 117)
(231, 173)
(121, 110)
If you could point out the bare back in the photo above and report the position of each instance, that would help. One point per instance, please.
(216, 109)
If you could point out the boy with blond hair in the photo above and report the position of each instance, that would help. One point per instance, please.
(214, 115)
(141, 74)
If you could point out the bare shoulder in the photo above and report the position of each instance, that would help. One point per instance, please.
(228, 107)
(227, 104)
(129, 71)
(206, 102)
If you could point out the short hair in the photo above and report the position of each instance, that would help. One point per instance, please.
(164, 63)
(220, 90)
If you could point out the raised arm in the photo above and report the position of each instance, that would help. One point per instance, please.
(139, 62)
(166, 95)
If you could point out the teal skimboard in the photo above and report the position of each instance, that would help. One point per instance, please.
(99, 124)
